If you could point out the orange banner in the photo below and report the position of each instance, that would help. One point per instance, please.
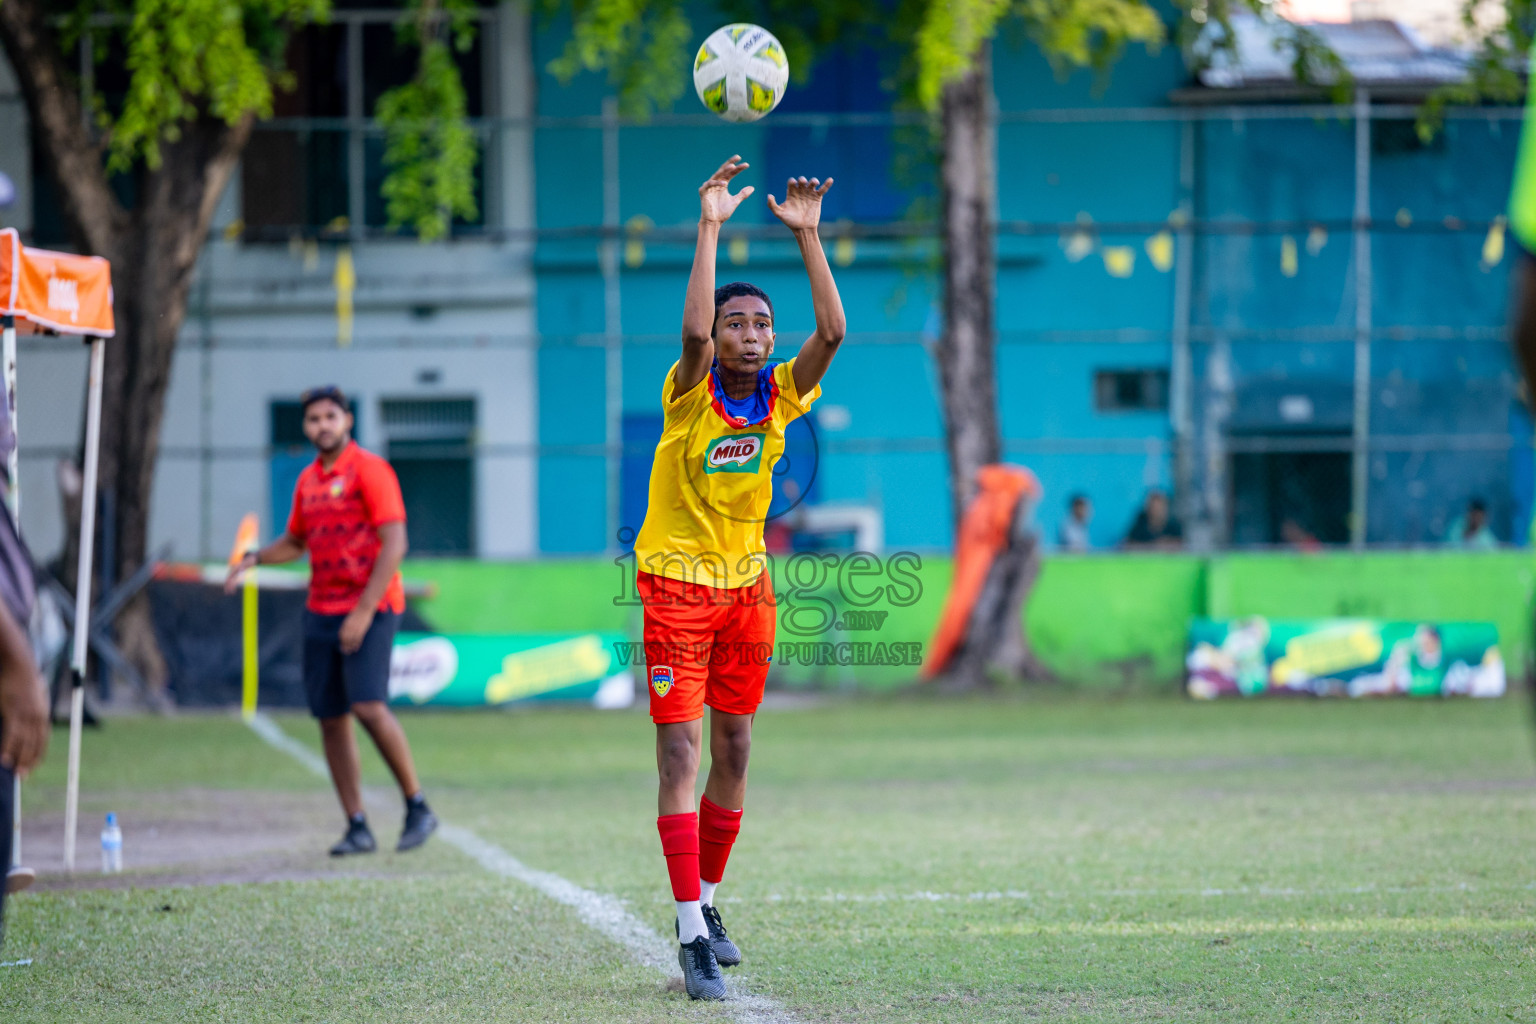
(983, 534)
(54, 290)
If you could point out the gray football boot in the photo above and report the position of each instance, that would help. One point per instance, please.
(726, 953)
(701, 974)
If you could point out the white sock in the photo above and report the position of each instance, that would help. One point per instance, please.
(690, 921)
(707, 892)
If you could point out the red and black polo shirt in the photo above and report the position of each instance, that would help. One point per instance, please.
(336, 514)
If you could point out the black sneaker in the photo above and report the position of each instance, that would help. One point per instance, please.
(701, 974)
(726, 953)
(420, 823)
(357, 840)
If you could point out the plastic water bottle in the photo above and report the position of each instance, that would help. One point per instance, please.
(111, 847)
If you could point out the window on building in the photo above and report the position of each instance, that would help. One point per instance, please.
(1140, 390)
(318, 165)
(431, 444)
(1291, 497)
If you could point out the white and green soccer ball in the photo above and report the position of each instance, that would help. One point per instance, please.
(740, 72)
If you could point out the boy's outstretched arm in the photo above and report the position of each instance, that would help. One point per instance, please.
(716, 204)
(801, 213)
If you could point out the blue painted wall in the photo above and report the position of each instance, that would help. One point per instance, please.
(1062, 313)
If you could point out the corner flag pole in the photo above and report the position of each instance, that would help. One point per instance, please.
(13, 501)
(247, 540)
(248, 678)
(83, 596)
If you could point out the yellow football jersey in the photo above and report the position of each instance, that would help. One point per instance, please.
(712, 482)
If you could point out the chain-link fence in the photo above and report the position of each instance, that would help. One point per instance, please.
(1288, 317)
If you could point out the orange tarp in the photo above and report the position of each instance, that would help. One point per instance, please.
(53, 290)
(983, 535)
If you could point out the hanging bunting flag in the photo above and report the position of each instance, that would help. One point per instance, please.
(1493, 245)
(844, 249)
(1119, 260)
(1288, 262)
(634, 244)
(1078, 244)
(1404, 217)
(1160, 251)
(1316, 239)
(737, 251)
(345, 280)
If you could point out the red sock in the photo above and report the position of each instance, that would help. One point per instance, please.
(717, 831)
(680, 844)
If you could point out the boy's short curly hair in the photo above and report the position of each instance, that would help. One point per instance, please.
(737, 288)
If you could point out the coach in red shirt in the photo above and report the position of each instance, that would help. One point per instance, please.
(347, 512)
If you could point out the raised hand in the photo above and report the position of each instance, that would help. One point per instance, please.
(716, 204)
(801, 209)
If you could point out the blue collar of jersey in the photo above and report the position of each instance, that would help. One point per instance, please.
(749, 411)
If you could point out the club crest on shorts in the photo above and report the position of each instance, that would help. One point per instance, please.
(661, 679)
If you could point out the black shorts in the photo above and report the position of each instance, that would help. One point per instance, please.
(335, 681)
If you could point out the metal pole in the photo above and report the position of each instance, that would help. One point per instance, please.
(1180, 378)
(13, 502)
(13, 457)
(83, 596)
(205, 422)
(357, 181)
(1360, 467)
(613, 327)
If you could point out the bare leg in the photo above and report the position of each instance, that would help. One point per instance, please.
(341, 755)
(730, 746)
(677, 763)
(389, 737)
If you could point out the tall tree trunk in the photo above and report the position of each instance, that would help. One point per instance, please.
(968, 349)
(153, 250)
(995, 644)
(995, 640)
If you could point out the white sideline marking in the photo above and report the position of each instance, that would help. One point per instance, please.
(274, 735)
(1026, 896)
(599, 911)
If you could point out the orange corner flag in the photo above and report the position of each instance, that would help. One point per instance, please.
(55, 291)
(247, 538)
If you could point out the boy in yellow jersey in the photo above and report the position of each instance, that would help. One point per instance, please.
(709, 610)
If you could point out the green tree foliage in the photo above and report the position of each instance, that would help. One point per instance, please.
(641, 43)
(429, 148)
(226, 59)
(183, 56)
(1498, 68)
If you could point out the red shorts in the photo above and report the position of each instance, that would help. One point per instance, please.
(705, 645)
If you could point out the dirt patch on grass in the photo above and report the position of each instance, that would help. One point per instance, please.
(207, 837)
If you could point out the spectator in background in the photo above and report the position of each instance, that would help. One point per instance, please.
(1073, 533)
(1154, 527)
(1470, 529)
(1295, 535)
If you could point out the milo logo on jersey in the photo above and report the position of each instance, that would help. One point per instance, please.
(735, 453)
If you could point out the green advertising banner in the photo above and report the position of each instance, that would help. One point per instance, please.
(479, 670)
(1254, 656)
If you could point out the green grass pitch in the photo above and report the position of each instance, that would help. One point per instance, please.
(900, 860)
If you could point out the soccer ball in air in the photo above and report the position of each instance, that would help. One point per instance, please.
(740, 72)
